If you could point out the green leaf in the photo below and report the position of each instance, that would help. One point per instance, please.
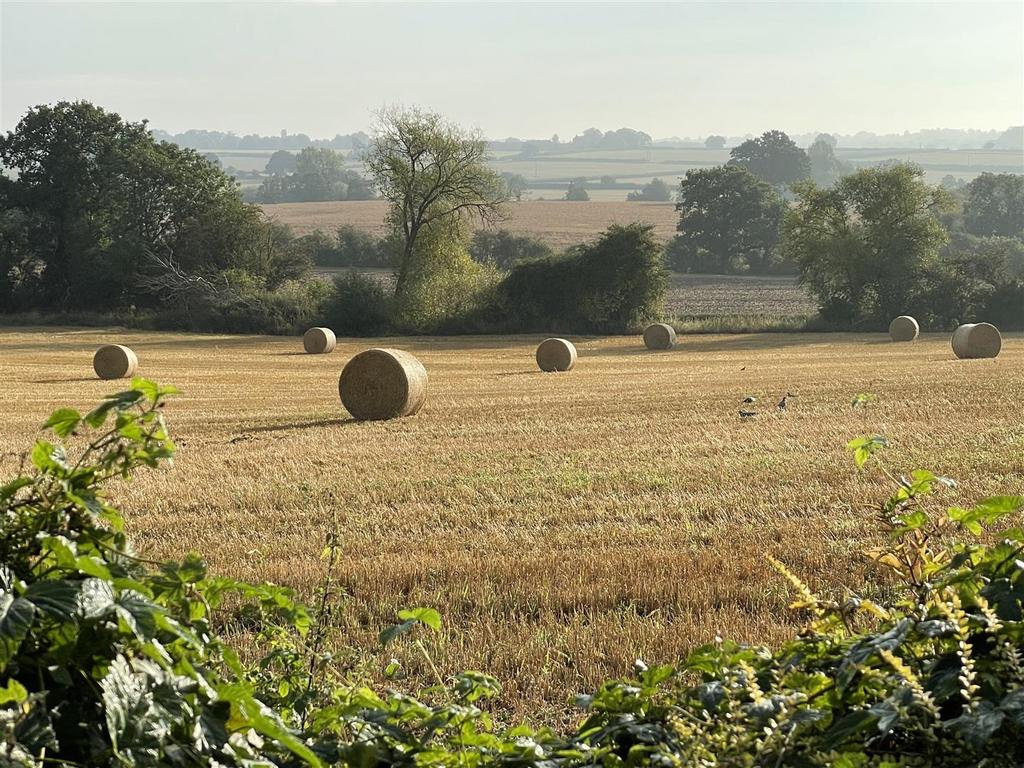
(13, 692)
(427, 616)
(16, 617)
(63, 421)
(852, 724)
(47, 457)
(864, 447)
(57, 598)
(393, 633)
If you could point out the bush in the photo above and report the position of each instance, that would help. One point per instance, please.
(611, 286)
(503, 249)
(358, 306)
(104, 661)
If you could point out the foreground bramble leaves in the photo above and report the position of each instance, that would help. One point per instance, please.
(106, 660)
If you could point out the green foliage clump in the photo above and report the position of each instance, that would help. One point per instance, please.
(98, 210)
(503, 249)
(774, 158)
(863, 245)
(729, 223)
(318, 174)
(994, 205)
(654, 191)
(577, 191)
(102, 660)
(357, 306)
(613, 285)
(444, 287)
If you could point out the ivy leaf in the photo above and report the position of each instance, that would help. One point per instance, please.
(16, 617)
(56, 598)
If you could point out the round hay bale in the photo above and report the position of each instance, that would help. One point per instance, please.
(380, 384)
(903, 328)
(975, 340)
(660, 336)
(319, 341)
(113, 361)
(556, 355)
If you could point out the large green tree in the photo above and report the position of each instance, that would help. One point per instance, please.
(435, 176)
(774, 158)
(864, 245)
(93, 200)
(995, 205)
(729, 223)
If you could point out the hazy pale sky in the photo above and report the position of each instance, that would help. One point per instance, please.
(527, 70)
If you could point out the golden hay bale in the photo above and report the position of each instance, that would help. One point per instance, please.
(660, 336)
(113, 361)
(380, 384)
(556, 355)
(903, 328)
(976, 340)
(319, 341)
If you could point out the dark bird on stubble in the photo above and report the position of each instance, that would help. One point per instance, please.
(784, 402)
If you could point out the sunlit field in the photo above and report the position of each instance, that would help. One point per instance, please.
(557, 222)
(563, 524)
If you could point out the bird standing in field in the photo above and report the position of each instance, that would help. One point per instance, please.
(784, 402)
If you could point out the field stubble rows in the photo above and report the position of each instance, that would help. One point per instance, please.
(563, 524)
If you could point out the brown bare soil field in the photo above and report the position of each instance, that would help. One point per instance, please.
(564, 524)
(559, 223)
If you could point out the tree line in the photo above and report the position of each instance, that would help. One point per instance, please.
(97, 216)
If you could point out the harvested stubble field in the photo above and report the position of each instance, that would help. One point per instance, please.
(557, 222)
(564, 524)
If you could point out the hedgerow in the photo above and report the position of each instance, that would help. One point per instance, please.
(107, 659)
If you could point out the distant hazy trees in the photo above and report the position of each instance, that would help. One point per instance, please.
(319, 175)
(515, 183)
(281, 163)
(198, 139)
(714, 142)
(825, 167)
(729, 223)
(623, 138)
(995, 205)
(577, 191)
(503, 249)
(774, 158)
(655, 191)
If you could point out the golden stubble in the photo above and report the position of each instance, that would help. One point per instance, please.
(563, 524)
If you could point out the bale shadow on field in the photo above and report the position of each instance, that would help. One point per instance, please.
(519, 373)
(301, 425)
(69, 381)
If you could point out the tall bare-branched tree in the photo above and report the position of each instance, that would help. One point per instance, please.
(433, 173)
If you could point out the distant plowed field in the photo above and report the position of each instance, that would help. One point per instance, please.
(558, 223)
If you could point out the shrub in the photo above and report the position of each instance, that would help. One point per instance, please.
(358, 306)
(356, 248)
(503, 249)
(613, 285)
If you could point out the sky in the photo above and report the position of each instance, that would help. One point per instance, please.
(525, 70)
